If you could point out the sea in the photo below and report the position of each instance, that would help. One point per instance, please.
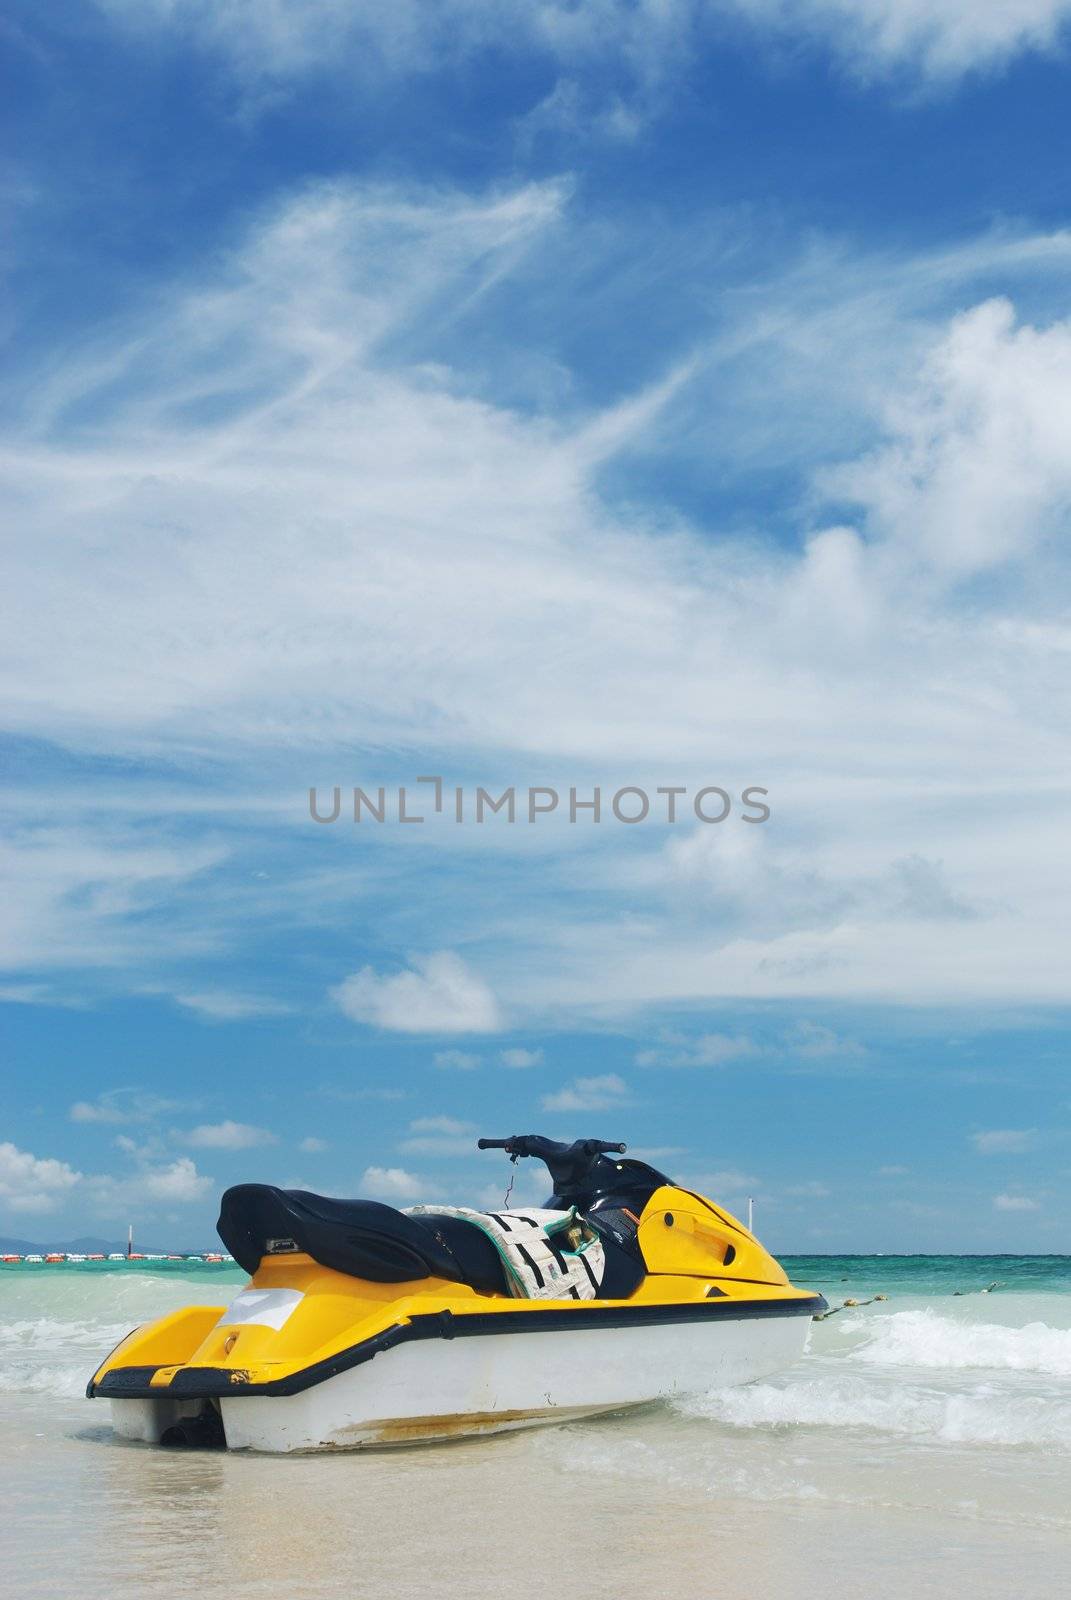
(921, 1447)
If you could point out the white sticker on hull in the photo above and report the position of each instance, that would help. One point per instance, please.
(267, 1308)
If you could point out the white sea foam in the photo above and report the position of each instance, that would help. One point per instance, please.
(980, 1415)
(928, 1339)
(921, 1374)
(46, 1356)
(55, 1330)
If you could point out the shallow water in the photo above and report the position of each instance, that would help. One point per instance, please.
(924, 1441)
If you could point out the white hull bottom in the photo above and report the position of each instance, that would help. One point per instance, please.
(463, 1387)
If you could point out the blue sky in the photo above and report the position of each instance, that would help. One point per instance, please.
(639, 394)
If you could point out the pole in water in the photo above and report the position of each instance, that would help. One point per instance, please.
(129, 1240)
(750, 1213)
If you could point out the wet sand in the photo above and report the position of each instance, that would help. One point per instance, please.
(590, 1508)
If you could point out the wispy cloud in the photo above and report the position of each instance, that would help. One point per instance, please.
(221, 1006)
(228, 1136)
(597, 1093)
(812, 1041)
(939, 40)
(1004, 1141)
(725, 1181)
(519, 1059)
(617, 59)
(708, 1050)
(457, 1060)
(445, 1136)
(124, 1105)
(1015, 1202)
(310, 387)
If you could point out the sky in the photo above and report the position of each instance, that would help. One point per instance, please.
(642, 395)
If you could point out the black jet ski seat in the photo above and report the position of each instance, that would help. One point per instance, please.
(362, 1238)
(366, 1239)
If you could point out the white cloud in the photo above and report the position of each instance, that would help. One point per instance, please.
(438, 994)
(588, 1094)
(445, 1136)
(939, 39)
(1004, 1141)
(123, 1105)
(31, 1183)
(155, 1178)
(977, 472)
(708, 1050)
(89, 1111)
(439, 1125)
(1015, 1202)
(811, 1041)
(302, 396)
(391, 1183)
(456, 1060)
(220, 1006)
(228, 1136)
(367, 1092)
(311, 1146)
(812, 1190)
(79, 900)
(34, 994)
(894, 1171)
(178, 1181)
(640, 46)
(725, 1181)
(517, 1058)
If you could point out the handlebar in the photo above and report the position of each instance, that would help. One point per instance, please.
(568, 1164)
(524, 1144)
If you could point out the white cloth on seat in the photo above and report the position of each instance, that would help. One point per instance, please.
(548, 1255)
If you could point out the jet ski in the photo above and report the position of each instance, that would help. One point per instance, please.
(363, 1325)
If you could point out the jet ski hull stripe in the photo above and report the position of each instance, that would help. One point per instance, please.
(129, 1383)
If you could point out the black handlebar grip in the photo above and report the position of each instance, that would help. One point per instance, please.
(492, 1144)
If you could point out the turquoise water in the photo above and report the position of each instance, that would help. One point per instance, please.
(838, 1276)
(915, 1274)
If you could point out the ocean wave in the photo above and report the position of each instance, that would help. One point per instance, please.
(920, 1373)
(46, 1356)
(55, 1332)
(927, 1339)
(847, 1401)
